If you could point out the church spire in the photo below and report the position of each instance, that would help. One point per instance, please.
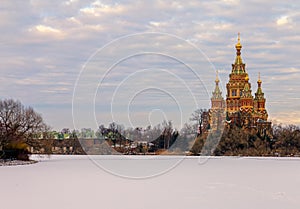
(259, 93)
(260, 101)
(217, 94)
(238, 68)
(238, 46)
(217, 78)
(259, 81)
(216, 112)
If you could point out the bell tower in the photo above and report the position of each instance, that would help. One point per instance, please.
(238, 85)
(260, 103)
(217, 110)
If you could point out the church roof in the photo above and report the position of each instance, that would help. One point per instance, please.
(217, 94)
(259, 93)
(238, 67)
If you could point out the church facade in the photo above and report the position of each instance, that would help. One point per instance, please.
(240, 107)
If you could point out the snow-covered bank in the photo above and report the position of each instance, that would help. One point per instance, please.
(65, 182)
(15, 162)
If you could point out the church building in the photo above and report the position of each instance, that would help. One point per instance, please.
(240, 107)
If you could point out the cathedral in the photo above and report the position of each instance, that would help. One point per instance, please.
(240, 107)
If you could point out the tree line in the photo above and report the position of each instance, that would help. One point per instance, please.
(237, 141)
(139, 140)
(21, 126)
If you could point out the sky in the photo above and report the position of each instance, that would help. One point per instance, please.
(86, 63)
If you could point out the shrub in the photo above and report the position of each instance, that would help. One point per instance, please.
(16, 151)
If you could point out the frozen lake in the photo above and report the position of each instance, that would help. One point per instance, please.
(142, 182)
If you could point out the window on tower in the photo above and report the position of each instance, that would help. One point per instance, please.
(233, 92)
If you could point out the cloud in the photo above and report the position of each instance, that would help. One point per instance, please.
(235, 2)
(97, 8)
(283, 20)
(45, 43)
(157, 24)
(46, 29)
(49, 32)
(70, 2)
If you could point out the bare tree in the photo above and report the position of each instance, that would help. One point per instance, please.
(201, 117)
(19, 123)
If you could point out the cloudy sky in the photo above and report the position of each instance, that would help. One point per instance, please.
(83, 63)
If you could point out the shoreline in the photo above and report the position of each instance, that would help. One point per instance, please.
(37, 158)
(16, 162)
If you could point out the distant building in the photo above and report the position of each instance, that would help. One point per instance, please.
(217, 110)
(240, 108)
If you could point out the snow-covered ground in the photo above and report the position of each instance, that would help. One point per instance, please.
(162, 182)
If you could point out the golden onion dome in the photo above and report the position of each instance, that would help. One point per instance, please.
(238, 46)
